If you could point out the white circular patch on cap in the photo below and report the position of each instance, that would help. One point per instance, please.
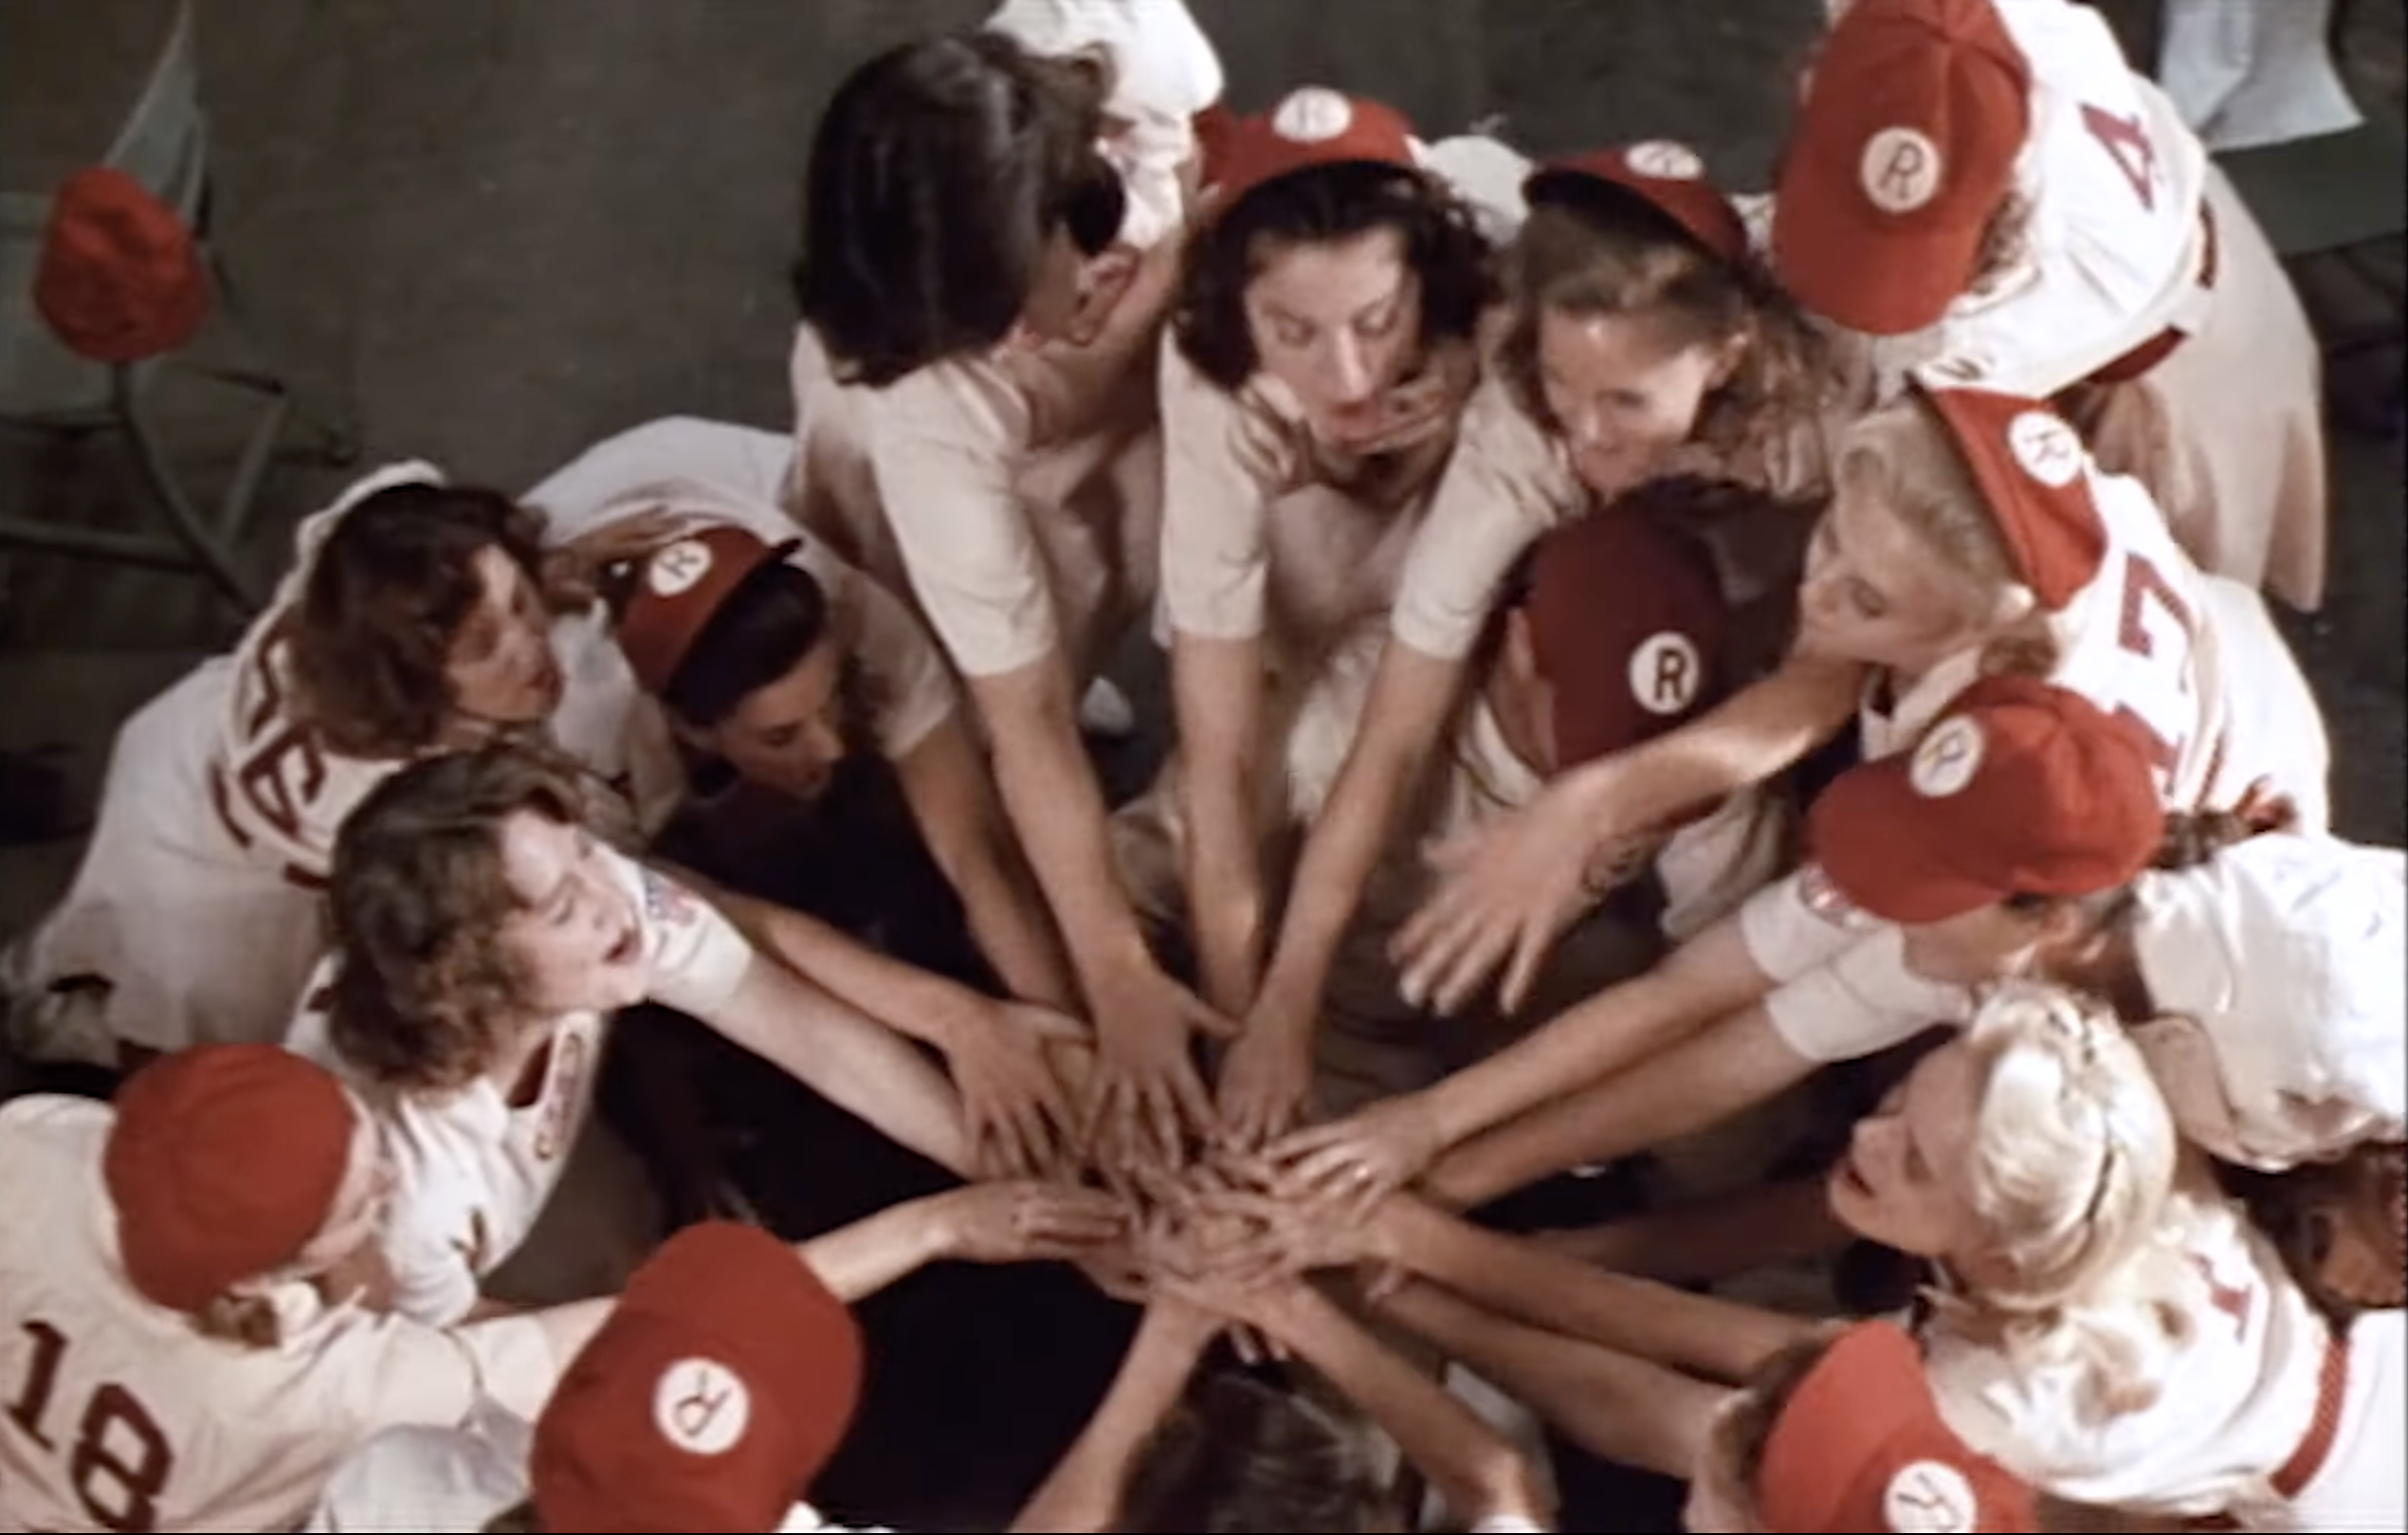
(675, 568)
(702, 1406)
(1311, 114)
(1929, 1498)
(1946, 760)
(1665, 160)
(1664, 672)
(1900, 171)
(2045, 445)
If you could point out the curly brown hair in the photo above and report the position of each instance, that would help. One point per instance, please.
(370, 636)
(1324, 205)
(424, 989)
(1593, 248)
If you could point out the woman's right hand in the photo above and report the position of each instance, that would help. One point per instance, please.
(1021, 1219)
(1149, 1093)
(1266, 1079)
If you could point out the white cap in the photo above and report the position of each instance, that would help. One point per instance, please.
(2287, 952)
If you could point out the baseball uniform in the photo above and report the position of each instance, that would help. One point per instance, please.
(2257, 1412)
(472, 1172)
(2278, 963)
(2193, 658)
(709, 472)
(1265, 526)
(2139, 272)
(122, 1416)
(1016, 494)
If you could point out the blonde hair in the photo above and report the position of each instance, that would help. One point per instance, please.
(1901, 457)
(2072, 1174)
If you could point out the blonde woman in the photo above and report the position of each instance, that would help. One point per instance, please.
(1969, 532)
(2030, 1159)
(1643, 343)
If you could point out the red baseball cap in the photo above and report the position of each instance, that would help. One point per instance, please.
(680, 589)
(1860, 1445)
(1904, 147)
(1670, 176)
(1311, 125)
(724, 1380)
(121, 278)
(2022, 787)
(2029, 463)
(1627, 624)
(222, 1161)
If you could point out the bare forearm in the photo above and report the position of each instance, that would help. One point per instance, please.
(945, 781)
(1695, 1083)
(859, 1260)
(1471, 1466)
(908, 999)
(1083, 1492)
(1547, 1289)
(1218, 688)
(1622, 1408)
(849, 1059)
(1716, 1238)
(1753, 735)
(1051, 798)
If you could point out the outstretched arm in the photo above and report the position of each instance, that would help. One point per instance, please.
(1083, 1492)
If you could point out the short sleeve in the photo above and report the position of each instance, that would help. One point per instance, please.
(1863, 1001)
(915, 689)
(398, 1372)
(943, 449)
(1503, 488)
(1798, 922)
(698, 957)
(1223, 464)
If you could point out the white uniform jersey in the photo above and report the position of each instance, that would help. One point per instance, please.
(713, 471)
(2111, 180)
(2238, 1376)
(471, 1172)
(123, 1417)
(425, 1481)
(198, 900)
(2191, 658)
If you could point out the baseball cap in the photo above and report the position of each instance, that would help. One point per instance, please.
(1668, 177)
(2020, 788)
(2029, 464)
(1860, 1445)
(1312, 126)
(680, 589)
(222, 1161)
(119, 278)
(1627, 624)
(1905, 145)
(724, 1380)
(2286, 949)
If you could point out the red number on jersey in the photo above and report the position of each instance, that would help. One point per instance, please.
(2127, 144)
(2234, 1301)
(118, 1491)
(2145, 586)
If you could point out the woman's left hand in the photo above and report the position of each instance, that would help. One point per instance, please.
(573, 572)
(1506, 892)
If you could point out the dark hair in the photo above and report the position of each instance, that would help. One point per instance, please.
(385, 597)
(1592, 247)
(1238, 1456)
(418, 900)
(940, 172)
(2191, 838)
(1323, 205)
(761, 631)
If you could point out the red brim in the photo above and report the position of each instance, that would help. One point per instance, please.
(1877, 840)
(1869, 272)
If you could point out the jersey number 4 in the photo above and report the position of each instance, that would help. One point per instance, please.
(119, 1462)
(2127, 144)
